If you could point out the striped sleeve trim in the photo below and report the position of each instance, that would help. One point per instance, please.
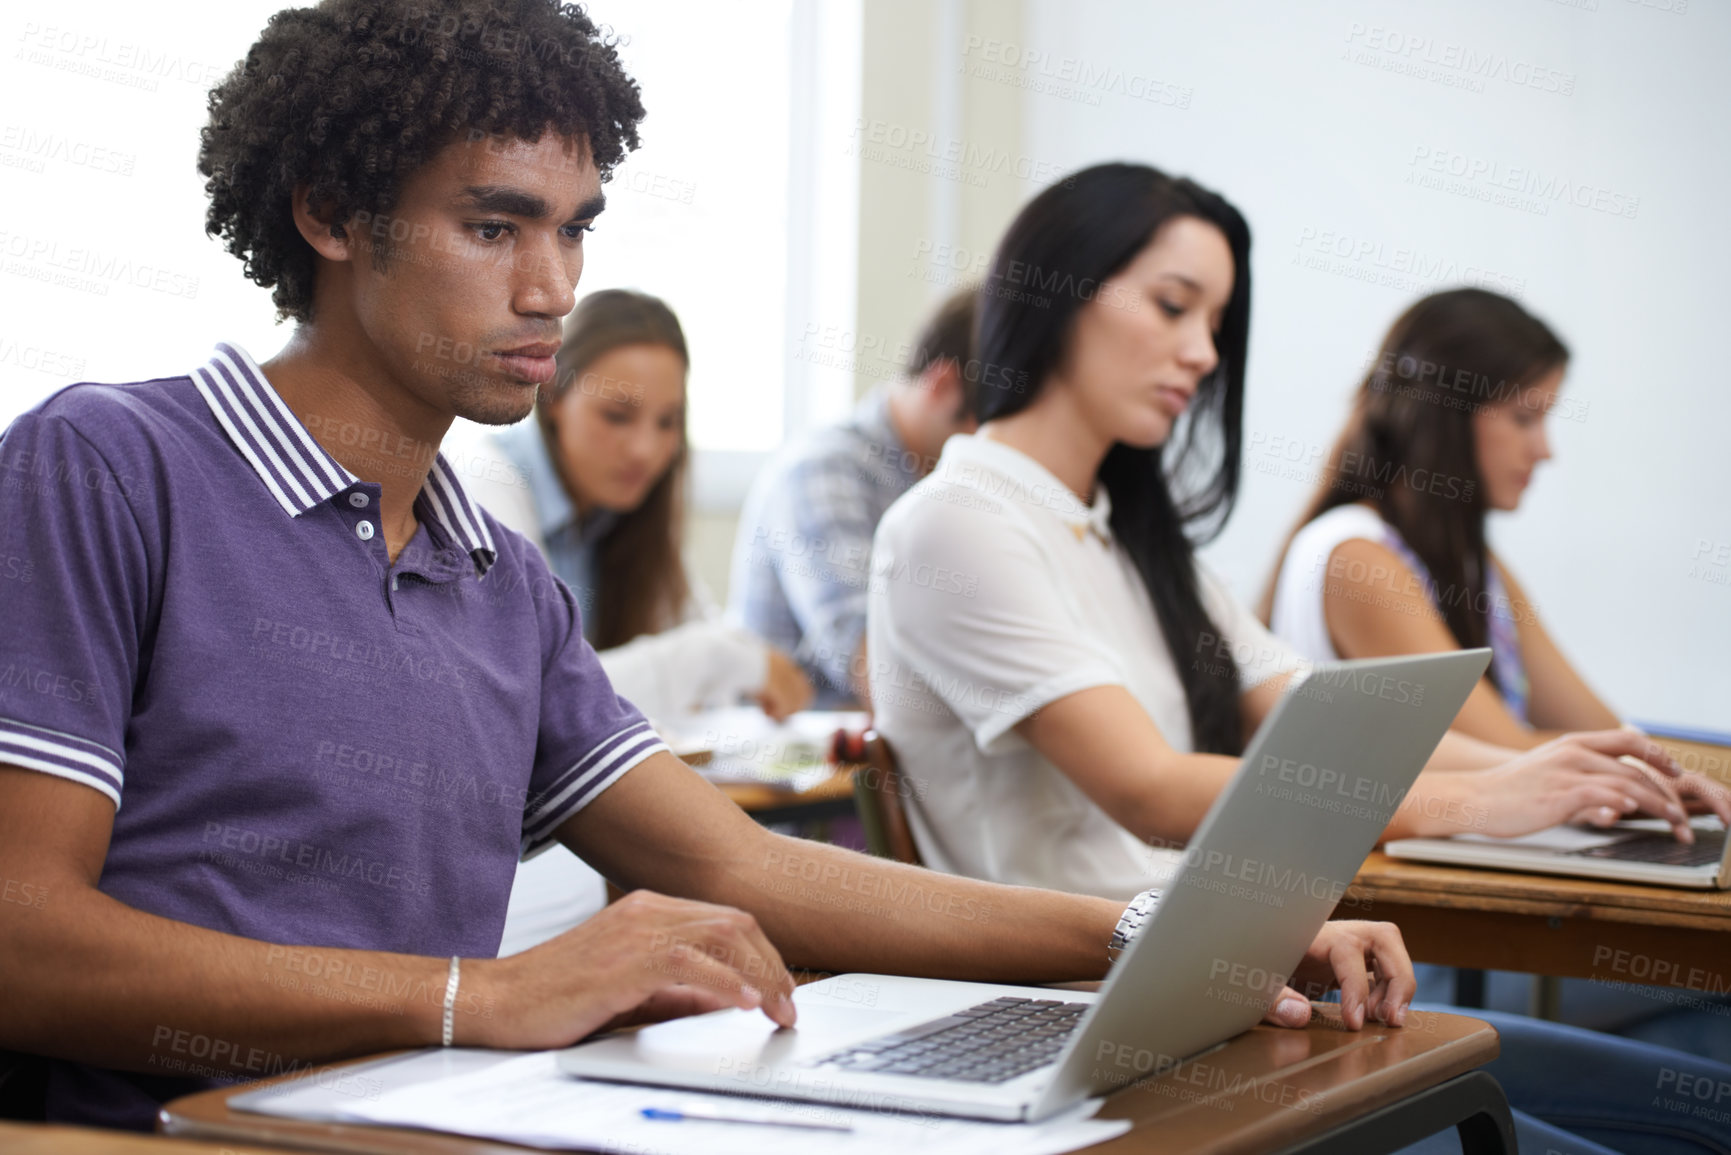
(63, 755)
(584, 782)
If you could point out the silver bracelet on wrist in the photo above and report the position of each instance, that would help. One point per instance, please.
(451, 981)
(1130, 922)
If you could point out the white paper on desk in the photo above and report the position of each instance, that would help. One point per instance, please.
(526, 1100)
(747, 732)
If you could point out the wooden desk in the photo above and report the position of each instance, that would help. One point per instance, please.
(831, 798)
(1614, 932)
(772, 805)
(1269, 1090)
(55, 1139)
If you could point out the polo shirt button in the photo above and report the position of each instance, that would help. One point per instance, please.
(364, 531)
(359, 500)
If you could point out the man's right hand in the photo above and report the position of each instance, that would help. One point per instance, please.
(643, 958)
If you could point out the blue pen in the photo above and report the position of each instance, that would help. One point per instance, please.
(664, 1116)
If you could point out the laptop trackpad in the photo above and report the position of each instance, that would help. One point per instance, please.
(730, 1042)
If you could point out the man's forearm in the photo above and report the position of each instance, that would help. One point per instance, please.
(92, 980)
(838, 910)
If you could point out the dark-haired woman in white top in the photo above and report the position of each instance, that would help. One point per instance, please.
(1061, 682)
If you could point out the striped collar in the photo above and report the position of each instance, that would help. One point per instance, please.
(296, 469)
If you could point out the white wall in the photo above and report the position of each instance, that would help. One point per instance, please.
(1261, 99)
(1288, 111)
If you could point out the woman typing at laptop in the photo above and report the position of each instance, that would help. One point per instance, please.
(1392, 557)
(1076, 698)
(1090, 683)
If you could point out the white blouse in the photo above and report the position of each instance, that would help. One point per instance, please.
(1299, 616)
(995, 591)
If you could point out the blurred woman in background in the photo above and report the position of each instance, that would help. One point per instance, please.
(1391, 556)
(596, 479)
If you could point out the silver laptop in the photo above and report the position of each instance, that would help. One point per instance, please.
(1643, 850)
(1320, 780)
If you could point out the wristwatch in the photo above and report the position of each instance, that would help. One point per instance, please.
(1130, 922)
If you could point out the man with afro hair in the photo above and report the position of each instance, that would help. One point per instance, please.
(281, 707)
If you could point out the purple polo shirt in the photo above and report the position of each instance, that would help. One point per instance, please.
(306, 743)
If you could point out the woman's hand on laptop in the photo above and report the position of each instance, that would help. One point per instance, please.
(1593, 778)
(1702, 795)
(1366, 960)
(644, 958)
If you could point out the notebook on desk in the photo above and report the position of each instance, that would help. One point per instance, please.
(1317, 784)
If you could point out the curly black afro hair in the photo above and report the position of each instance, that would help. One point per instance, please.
(351, 97)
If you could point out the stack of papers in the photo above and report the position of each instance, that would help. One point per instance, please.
(524, 1099)
(743, 745)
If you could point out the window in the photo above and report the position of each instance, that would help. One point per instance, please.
(739, 205)
(698, 215)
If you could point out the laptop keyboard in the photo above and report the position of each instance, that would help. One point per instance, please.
(1661, 848)
(990, 1043)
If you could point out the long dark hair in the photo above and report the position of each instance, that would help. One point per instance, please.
(1408, 448)
(1070, 239)
(640, 572)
